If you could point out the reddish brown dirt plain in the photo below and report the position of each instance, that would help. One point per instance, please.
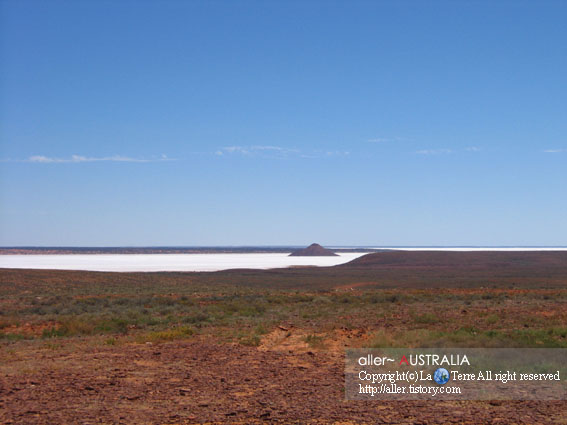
(203, 382)
(81, 378)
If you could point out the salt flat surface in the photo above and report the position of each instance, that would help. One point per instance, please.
(168, 262)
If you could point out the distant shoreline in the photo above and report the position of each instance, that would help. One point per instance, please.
(161, 250)
(36, 250)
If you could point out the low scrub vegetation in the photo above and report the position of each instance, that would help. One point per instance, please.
(166, 307)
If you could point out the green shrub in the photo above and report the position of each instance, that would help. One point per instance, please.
(426, 318)
(11, 336)
(166, 335)
(314, 341)
(250, 340)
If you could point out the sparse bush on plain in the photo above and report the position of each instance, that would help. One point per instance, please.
(314, 341)
(425, 318)
(6, 336)
(181, 332)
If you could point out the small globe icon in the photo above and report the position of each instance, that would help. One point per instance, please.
(441, 376)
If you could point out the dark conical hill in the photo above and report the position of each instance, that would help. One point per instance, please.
(313, 250)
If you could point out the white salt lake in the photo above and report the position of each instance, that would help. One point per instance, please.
(168, 262)
(205, 262)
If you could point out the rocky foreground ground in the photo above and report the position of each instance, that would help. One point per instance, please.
(203, 382)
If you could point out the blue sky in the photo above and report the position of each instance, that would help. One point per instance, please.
(275, 123)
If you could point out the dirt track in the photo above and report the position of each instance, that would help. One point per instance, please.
(200, 382)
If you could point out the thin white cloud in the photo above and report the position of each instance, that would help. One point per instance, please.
(555, 150)
(41, 159)
(270, 151)
(386, 139)
(446, 151)
(257, 150)
(434, 151)
(273, 148)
